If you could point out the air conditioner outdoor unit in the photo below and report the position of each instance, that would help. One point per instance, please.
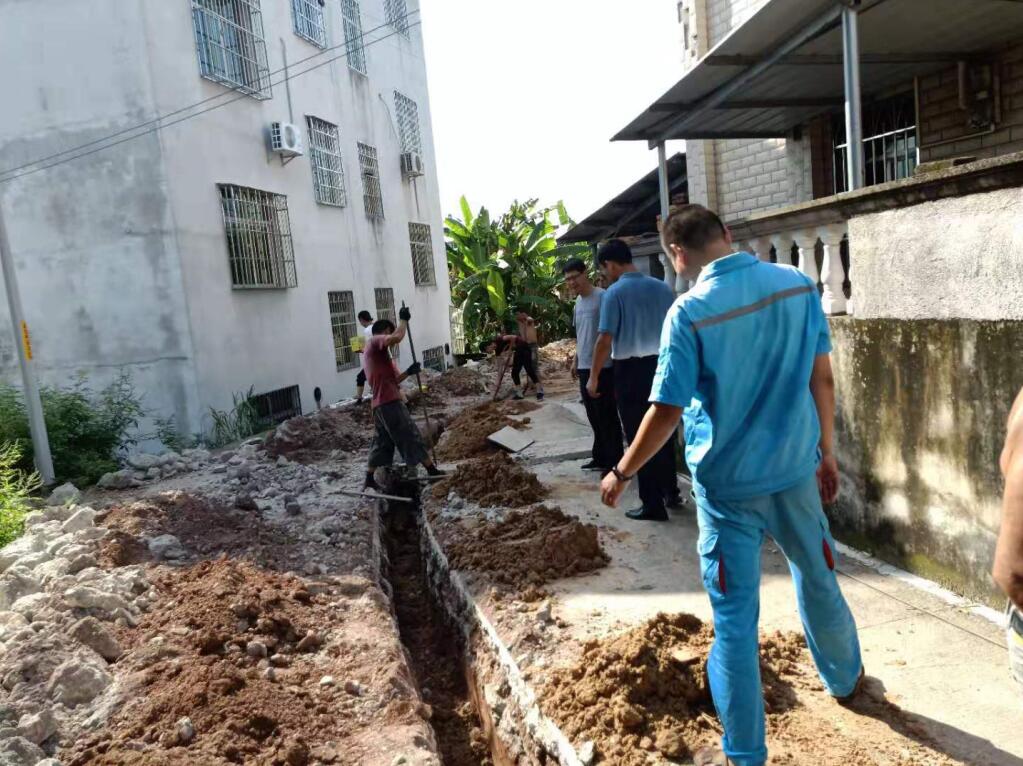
(412, 165)
(286, 139)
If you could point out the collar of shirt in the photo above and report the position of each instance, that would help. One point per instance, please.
(728, 263)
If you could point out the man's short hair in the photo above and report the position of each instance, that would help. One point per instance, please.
(383, 326)
(693, 227)
(365, 316)
(614, 250)
(574, 264)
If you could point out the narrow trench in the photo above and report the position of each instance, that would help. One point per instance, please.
(434, 644)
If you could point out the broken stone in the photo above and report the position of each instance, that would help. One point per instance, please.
(37, 727)
(92, 633)
(81, 562)
(244, 502)
(219, 468)
(75, 682)
(166, 547)
(143, 461)
(18, 751)
(327, 681)
(16, 583)
(117, 480)
(543, 614)
(671, 744)
(256, 649)
(587, 753)
(185, 731)
(311, 642)
(65, 494)
(270, 674)
(282, 462)
(81, 520)
(89, 598)
(291, 506)
(354, 688)
(153, 474)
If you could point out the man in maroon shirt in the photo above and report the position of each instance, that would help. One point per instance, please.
(394, 425)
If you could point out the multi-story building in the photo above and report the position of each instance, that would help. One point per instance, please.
(249, 175)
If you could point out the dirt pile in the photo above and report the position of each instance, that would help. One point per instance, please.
(645, 691)
(309, 438)
(525, 548)
(493, 481)
(460, 381)
(467, 433)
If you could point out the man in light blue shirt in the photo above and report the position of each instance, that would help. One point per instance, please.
(744, 358)
(631, 314)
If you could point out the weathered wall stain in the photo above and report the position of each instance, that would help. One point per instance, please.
(922, 406)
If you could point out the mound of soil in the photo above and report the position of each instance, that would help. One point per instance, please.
(526, 548)
(645, 691)
(467, 434)
(460, 381)
(493, 481)
(554, 357)
(309, 438)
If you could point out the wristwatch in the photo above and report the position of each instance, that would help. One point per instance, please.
(621, 476)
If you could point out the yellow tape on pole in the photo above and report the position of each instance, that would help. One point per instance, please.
(26, 340)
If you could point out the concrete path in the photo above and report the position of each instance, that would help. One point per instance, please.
(941, 662)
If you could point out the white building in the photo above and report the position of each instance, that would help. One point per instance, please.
(194, 257)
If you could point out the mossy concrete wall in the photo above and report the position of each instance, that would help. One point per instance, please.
(922, 405)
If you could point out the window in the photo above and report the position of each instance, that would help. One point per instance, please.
(325, 160)
(351, 19)
(397, 15)
(371, 181)
(229, 37)
(342, 324)
(407, 113)
(308, 16)
(259, 245)
(275, 407)
(422, 253)
(433, 358)
(385, 310)
(889, 142)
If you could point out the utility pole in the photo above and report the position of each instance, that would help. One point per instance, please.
(33, 404)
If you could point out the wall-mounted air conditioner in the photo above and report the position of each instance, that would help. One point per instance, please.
(412, 165)
(286, 139)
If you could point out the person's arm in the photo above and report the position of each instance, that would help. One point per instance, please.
(601, 353)
(658, 425)
(398, 335)
(822, 386)
(607, 326)
(413, 369)
(1008, 566)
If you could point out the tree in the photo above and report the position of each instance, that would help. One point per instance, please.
(495, 266)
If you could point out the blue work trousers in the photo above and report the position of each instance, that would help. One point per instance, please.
(731, 536)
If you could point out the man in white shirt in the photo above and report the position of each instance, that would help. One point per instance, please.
(366, 320)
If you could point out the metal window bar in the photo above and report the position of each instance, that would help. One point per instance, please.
(232, 51)
(407, 112)
(259, 245)
(384, 299)
(422, 254)
(433, 358)
(351, 20)
(325, 161)
(308, 17)
(342, 325)
(397, 15)
(274, 407)
(370, 169)
(889, 147)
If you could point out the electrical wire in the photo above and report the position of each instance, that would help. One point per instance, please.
(11, 174)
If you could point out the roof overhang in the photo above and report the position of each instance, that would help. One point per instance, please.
(634, 211)
(784, 65)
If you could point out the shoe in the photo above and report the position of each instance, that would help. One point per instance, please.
(642, 514)
(517, 395)
(675, 503)
(435, 471)
(712, 756)
(851, 697)
(592, 466)
(539, 396)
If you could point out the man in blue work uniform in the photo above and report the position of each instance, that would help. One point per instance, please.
(745, 358)
(631, 314)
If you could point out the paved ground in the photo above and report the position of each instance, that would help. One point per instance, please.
(940, 662)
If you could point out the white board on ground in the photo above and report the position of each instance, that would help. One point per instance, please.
(510, 439)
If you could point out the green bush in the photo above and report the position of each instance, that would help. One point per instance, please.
(16, 487)
(239, 422)
(87, 429)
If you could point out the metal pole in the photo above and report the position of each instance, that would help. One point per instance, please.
(662, 185)
(853, 110)
(419, 383)
(33, 404)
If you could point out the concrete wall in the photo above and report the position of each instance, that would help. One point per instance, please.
(138, 59)
(958, 258)
(922, 406)
(725, 15)
(942, 124)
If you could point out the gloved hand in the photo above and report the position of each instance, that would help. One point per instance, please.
(404, 313)
(414, 369)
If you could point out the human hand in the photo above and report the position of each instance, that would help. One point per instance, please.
(414, 369)
(591, 388)
(404, 314)
(827, 479)
(611, 488)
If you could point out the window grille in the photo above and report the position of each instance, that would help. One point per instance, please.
(384, 298)
(370, 169)
(433, 358)
(259, 245)
(351, 19)
(308, 16)
(889, 143)
(397, 15)
(407, 112)
(229, 38)
(342, 324)
(422, 253)
(457, 318)
(325, 160)
(274, 407)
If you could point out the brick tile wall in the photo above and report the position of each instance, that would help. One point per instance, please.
(725, 15)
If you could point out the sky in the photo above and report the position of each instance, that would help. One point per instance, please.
(525, 96)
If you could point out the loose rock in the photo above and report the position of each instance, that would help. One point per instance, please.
(65, 494)
(95, 635)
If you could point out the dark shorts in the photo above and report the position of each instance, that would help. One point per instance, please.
(360, 379)
(395, 428)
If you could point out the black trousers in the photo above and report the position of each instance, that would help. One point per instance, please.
(602, 413)
(395, 428)
(633, 380)
(360, 379)
(523, 360)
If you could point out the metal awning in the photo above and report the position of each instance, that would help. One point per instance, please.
(633, 212)
(784, 65)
